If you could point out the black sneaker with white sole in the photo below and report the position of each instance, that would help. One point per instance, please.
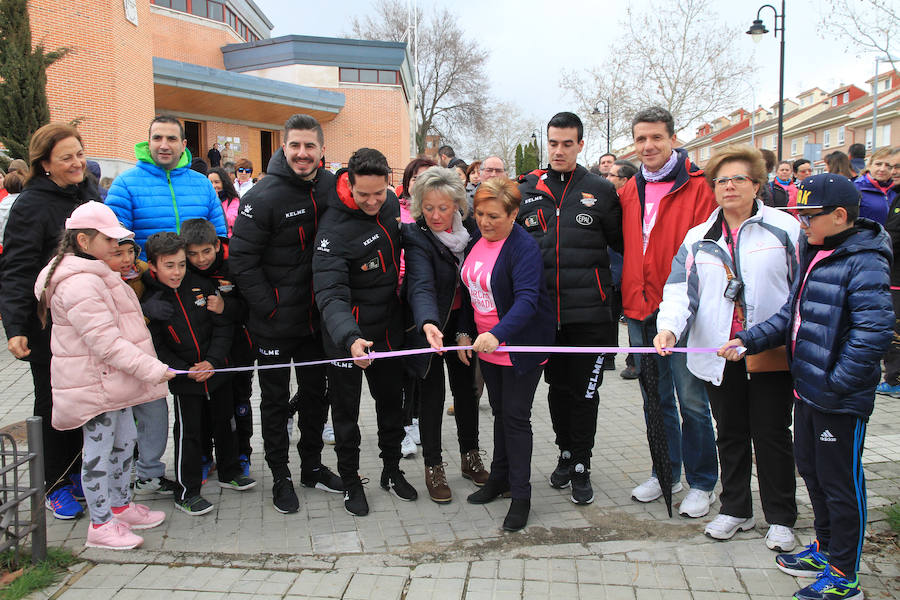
(392, 480)
(284, 498)
(355, 499)
(582, 492)
(194, 506)
(561, 476)
(322, 478)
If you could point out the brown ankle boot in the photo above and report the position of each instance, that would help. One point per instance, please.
(473, 468)
(436, 482)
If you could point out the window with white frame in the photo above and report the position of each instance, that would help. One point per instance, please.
(846, 97)
(793, 147)
(704, 153)
(869, 138)
(840, 136)
(826, 138)
(834, 100)
(774, 141)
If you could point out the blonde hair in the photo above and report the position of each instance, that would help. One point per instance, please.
(67, 244)
(499, 188)
(883, 152)
(738, 153)
(440, 180)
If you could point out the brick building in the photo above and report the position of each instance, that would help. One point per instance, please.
(213, 64)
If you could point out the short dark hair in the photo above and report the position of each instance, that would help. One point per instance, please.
(654, 114)
(198, 232)
(857, 151)
(628, 170)
(799, 163)
(447, 151)
(167, 119)
(14, 182)
(164, 243)
(304, 123)
(565, 120)
(769, 157)
(852, 214)
(602, 156)
(411, 169)
(367, 161)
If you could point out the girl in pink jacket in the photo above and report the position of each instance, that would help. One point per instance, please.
(103, 364)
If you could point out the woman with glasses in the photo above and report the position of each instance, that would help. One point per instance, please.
(243, 169)
(733, 272)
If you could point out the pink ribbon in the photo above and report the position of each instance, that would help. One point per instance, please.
(525, 349)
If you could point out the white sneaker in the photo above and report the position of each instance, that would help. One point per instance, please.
(650, 490)
(780, 538)
(328, 434)
(408, 447)
(723, 527)
(696, 503)
(413, 432)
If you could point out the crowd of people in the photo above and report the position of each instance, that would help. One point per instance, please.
(180, 273)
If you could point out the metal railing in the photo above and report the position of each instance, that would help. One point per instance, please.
(14, 491)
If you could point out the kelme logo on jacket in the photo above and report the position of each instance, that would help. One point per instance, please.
(323, 245)
(247, 211)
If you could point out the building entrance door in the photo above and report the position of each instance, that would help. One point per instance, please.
(265, 149)
(192, 133)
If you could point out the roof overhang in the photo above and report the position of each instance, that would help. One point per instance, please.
(188, 88)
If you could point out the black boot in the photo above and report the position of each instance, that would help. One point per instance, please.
(517, 517)
(489, 491)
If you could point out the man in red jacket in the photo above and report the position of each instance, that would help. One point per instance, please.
(666, 198)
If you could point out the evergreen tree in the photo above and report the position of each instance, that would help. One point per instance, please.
(530, 157)
(519, 156)
(23, 73)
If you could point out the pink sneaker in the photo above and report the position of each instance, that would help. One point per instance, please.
(138, 516)
(112, 535)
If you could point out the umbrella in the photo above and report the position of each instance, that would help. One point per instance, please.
(656, 431)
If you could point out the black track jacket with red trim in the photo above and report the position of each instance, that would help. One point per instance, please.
(574, 224)
(356, 273)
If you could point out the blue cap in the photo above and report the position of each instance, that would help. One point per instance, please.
(826, 190)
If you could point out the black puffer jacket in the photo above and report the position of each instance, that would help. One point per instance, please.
(33, 230)
(892, 226)
(271, 250)
(192, 333)
(574, 217)
(432, 278)
(356, 273)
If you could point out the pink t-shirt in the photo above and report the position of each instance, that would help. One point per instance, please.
(653, 195)
(476, 276)
(818, 257)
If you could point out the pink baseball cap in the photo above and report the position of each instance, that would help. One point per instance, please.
(96, 215)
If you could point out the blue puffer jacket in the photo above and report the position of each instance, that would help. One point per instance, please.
(846, 323)
(874, 201)
(148, 199)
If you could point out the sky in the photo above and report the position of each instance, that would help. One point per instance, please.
(530, 41)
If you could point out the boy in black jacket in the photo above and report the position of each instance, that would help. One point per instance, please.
(208, 256)
(194, 339)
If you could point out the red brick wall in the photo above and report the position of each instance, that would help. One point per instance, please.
(107, 79)
(186, 41)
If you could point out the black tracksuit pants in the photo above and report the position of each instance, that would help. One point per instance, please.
(511, 396)
(465, 405)
(274, 406)
(62, 449)
(892, 356)
(345, 387)
(575, 381)
(755, 411)
(828, 448)
(187, 435)
(242, 383)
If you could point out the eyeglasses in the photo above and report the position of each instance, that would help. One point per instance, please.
(494, 171)
(737, 179)
(243, 170)
(805, 219)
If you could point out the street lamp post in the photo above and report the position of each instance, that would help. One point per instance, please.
(757, 31)
(875, 102)
(596, 111)
(540, 136)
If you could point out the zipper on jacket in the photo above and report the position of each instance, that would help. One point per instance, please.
(354, 310)
(558, 207)
(174, 335)
(302, 237)
(599, 287)
(190, 328)
(393, 252)
(174, 203)
(381, 257)
(274, 310)
(542, 220)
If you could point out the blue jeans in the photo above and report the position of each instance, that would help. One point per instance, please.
(692, 441)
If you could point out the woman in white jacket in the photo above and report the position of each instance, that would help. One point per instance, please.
(733, 272)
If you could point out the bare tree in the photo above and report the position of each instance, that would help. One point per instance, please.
(678, 55)
(868, 25)
(450, 70)
(505, 127)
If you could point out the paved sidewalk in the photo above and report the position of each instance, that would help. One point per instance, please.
(614, 548)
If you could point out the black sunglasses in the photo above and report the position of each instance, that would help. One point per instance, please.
(243, 170)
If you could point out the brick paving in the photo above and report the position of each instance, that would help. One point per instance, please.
(613, 548)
